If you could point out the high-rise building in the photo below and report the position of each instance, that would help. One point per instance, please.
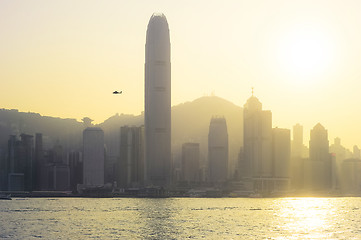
(257, 145)
(218, 150)
(281, 158)
(20, 163)
(190, 162)
(157, 102)
(27, 158)
(93, 156)
(351, 178)
(339, 154)
(281, 152)
(297, 159)
(15, 167)
(39, 166)
(317, 170)
(75, 169)
(3, 171)
(131, 165)
(257, 139)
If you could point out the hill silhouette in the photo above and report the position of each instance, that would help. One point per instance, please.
(190, 123)
(66, 131)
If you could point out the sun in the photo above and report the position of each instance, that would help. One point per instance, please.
(305, 53)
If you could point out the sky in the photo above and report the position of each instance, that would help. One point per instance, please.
(303, 58)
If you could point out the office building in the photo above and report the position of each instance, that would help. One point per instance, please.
(190, 162)
(131, 163)
(281, 158)
(317, 170)
(218, 150)
(257, 141)
(157, 102)
(93, 157)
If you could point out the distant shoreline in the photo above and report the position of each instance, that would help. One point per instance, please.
(53, 194)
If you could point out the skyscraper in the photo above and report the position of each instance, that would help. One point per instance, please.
(281, 152)
(157, 102)
(257, 139)
(131, 163)
(218, 150)
(318, 167)
(93, 153)
(297, 161)
(190, 162)
(257, 143)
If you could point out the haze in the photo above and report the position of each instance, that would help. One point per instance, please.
(65, 58)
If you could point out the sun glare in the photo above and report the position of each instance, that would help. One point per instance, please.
(305, 53)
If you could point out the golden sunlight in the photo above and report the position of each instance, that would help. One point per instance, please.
(305, 53)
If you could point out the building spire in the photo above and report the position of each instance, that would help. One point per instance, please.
(252, 91)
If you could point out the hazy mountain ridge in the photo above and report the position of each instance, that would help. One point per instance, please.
(15, 122)
(190, 123)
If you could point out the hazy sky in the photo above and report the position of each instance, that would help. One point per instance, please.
(65, 58)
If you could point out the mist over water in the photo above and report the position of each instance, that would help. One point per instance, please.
(180, 218)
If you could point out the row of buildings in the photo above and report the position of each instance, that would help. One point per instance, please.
(268, 160)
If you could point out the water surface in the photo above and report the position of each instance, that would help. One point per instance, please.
(181, 218)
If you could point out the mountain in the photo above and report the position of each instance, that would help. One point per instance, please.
(190, 123)
(66, 131)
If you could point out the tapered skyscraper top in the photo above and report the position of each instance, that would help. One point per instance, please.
(158, 42)
(157, 102)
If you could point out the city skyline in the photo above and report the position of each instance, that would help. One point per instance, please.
(83, 56)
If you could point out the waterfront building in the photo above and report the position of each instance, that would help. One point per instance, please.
(257, 141)
(281, 158)
(297, 157)
(3, 171)
(131, 163)
(218, 150)
(39, 164)
(93, 156)
(317, 169)
(190, 162)
(75, 169)
(350, 181)
(157, 102)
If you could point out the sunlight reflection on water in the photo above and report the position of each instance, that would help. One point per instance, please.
(180, 218)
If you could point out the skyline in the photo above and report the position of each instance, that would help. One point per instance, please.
(73, 54)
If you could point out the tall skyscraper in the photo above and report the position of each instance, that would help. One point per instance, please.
(93, 153)
(317, 169)
(218, 150)
(157, 102)
(257, 139)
